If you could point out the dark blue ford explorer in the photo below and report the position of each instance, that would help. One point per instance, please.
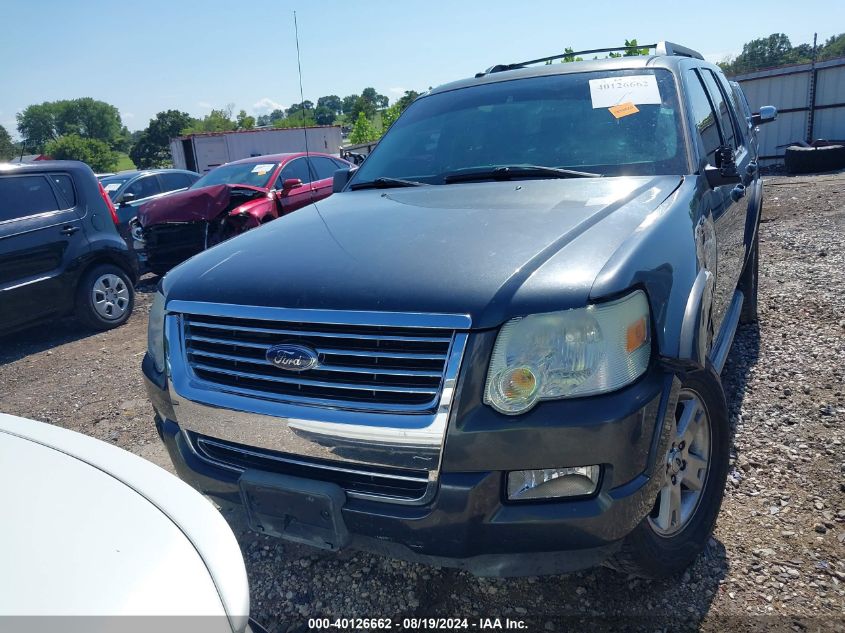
(498, 347)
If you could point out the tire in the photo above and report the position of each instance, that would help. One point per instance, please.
(806, 160)
(650, 551)
(748, 283)
(104, 298)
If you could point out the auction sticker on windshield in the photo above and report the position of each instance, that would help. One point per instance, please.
(611, 91)
(112, 186)
(262, 168)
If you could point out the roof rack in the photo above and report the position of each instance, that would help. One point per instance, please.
(661, 48)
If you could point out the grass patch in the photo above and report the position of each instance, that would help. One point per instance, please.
(124, 162)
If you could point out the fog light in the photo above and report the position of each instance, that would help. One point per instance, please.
(549, 483)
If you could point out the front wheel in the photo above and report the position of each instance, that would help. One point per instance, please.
(692, 472)
(105, 297)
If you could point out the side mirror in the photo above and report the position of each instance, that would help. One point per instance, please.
(291, 183)
(126, 198)
(725, 172)
(767, 114)
(341, 177)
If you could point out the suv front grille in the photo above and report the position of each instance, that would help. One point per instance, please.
(358, 481)
(380, 368)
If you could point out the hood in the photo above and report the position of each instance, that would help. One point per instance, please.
(492, 250)
(193, 205)
(90, 529)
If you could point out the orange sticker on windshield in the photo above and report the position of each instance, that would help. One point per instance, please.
(623, 109)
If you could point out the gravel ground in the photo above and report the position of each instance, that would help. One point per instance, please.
(775, 561)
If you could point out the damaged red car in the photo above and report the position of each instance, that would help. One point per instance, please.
(227, 201)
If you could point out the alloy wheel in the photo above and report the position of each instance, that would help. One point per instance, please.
(685, 467)
(110, 296)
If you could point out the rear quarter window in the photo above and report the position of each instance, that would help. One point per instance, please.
(22, 196)
(64, 185)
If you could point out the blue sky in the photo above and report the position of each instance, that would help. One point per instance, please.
(144, 57)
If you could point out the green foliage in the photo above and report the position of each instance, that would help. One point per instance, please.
(332, 102)
(7, 147)
(244, 121)
(267, 119)
(777, 50)
(94, 152)
(363, 131)
(124, 162)
(570, 57)
(347, 103)
(407, 99)
(215, 121)
(633, 52)
(324, 115)
(87, 118)
(389, 115)
(152, 145)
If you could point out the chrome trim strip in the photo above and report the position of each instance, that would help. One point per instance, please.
(286, 332)
(393, 436)
(350, 386)
(431, 487)
(329, 317)
(375, 370)
(722, 345)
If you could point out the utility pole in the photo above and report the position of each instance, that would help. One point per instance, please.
(811, 97)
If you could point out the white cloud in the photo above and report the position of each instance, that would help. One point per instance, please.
(719, 56)
(266, 105)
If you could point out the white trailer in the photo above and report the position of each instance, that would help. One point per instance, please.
(203, 152)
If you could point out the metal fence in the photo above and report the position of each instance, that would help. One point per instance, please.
(810, 99)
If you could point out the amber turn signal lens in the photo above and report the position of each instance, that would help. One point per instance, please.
(636, 336)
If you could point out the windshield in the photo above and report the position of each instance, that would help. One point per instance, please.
(253, 174)
(113, 183)
(622, 122)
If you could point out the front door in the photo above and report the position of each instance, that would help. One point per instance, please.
(293, 199)
(40, 233)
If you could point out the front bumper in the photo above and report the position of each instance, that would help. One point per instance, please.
(467, 523)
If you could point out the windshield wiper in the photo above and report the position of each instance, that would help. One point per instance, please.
(384, 183)
(507, 172)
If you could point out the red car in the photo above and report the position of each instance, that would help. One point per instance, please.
(227, 201)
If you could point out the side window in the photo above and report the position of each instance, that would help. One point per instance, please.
(703, 116)
(297, 168)
(170, 181)
(726, 119)
(324, 167)
(144, 187)
(21, 196)
(340, 164)
(64, 184)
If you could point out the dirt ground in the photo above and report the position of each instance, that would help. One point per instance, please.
(777, 558)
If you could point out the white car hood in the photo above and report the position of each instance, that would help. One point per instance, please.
(89, 529)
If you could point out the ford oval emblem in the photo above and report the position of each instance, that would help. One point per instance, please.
(291, 357)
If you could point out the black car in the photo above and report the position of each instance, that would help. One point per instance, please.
(60, 251)
(128, 190)
(499, 346)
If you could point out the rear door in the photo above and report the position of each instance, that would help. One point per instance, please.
(40, 236)
(294, 199)
(174, 181)
(324, 169)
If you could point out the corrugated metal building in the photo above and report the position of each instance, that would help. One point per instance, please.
(810, 101)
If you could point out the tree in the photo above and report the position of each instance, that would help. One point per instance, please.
(7, 147)
(569, 57)
(332, 102)
(371, 96)
(94, 152)
(407, 99)
(244, 121)
(764, 52)
(363, 131)
(152, 146)
(348, 103)
(633, 52)
(86, 118)
(324, 115)
(390, 115)
(833, 47)
(214, 121)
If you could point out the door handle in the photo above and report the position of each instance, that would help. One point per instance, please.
(738, 192)
(69, 230)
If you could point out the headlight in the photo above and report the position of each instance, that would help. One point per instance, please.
(155, 332)
(571, 353)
